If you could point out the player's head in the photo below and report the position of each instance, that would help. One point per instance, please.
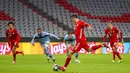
(10, 25)
(109, 25)
(74, 17)
(39, 31)
(69, 34)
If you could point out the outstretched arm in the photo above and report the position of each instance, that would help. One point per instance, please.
(52, 35)
(33, 39)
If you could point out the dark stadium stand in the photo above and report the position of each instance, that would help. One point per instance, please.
(4, 16)
(54, 15)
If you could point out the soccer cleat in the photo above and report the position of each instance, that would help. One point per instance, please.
(119, 61)
(22, 53)
(113, 61)
(62, 68)
(77, 61)
(54, 60)
(48, 60)
(14, 62)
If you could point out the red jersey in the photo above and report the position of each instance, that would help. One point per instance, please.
(12, 35)
(79, 30)
(113, 34)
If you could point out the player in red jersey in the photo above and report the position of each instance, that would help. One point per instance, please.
(80, 39)
(13, 38)
(113, 32)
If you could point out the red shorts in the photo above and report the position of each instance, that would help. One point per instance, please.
(12, 44)
(81, 44)
(113, 44)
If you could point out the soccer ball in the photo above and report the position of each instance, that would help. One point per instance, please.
(55, 67)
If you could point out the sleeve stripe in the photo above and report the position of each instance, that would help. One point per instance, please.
(81, 31)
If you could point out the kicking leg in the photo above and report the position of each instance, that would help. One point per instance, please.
(88, 48)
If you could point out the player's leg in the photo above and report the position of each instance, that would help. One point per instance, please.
(115, 47)
(95, 47)
(76, 54)
(71, 47)
(67, 50)
(114, 51)
(46, 51)
(76, 57)
(14, 52)
(88, 48)
(77, 47)
(18, 52)
(114, 56)
(68, 59)
(50, 55)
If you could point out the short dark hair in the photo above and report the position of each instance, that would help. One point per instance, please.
(39, 28)
(10, 23)
(74, 15)
(70, 32)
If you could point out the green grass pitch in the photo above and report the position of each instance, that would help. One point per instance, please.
(96, 63)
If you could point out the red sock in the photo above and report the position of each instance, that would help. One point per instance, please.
(114, 55)
(14, 56)
(118, 54)
(95, 47)
(67, 61)
(17, 52)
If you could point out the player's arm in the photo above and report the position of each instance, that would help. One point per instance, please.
(33, 39)
(74, 40)
(65, 41)
(52, 35)
(87, 25)
(18, 38)
(105, 36)
(121, 35)
(7, 38)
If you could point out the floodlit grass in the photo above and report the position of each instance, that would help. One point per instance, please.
(97, 63)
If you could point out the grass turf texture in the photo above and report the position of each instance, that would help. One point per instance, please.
(96, 63)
